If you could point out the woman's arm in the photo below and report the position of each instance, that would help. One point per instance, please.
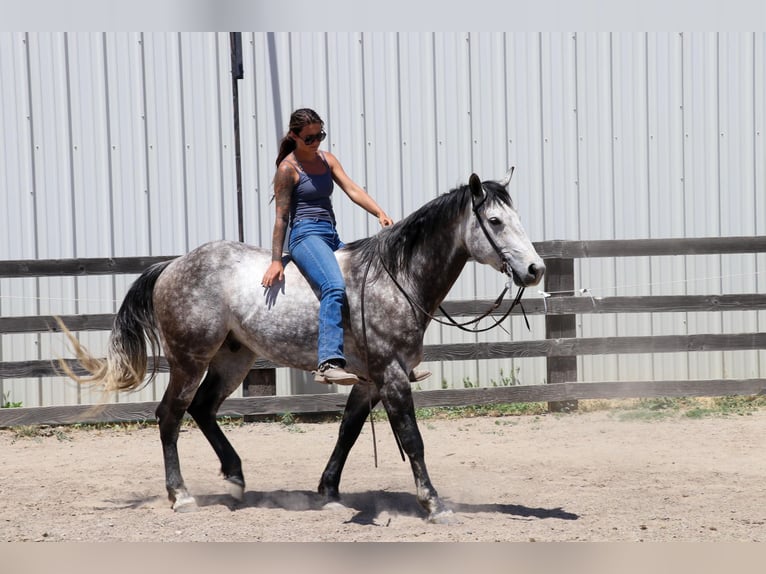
(355, 192)
(284, 181)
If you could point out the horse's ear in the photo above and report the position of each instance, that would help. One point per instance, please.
(507, 179)
(476, 190)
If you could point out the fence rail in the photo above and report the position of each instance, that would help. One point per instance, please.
(561, 347)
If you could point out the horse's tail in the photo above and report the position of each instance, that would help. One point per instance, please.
(125, 365)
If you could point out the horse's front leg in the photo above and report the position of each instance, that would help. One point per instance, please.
(360, 400)
(397, 399)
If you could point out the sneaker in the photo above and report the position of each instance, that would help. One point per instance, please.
(331, 372)
(417, 375)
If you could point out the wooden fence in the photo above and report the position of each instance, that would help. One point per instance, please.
(561, 346)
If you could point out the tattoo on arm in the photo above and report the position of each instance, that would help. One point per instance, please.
(283, 186)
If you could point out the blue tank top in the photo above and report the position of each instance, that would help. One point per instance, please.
(311, 196)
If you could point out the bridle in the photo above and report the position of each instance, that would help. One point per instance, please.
(450, 321)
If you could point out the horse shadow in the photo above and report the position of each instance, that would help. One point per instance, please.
(369, 505)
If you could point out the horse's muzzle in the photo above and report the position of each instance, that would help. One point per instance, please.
(532, 276)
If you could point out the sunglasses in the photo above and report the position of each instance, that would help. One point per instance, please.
(308, 140)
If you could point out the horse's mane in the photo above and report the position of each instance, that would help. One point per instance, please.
(396, 244)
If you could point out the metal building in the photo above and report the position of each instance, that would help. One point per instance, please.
(121, 144)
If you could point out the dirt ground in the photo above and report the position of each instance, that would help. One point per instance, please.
(587, 477)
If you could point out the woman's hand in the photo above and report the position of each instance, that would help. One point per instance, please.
(275, 273)
(384, 219)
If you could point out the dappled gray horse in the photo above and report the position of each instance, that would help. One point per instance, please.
(208, 312)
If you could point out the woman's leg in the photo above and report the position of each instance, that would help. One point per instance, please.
(312, 251)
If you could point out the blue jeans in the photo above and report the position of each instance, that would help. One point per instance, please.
(312, 246)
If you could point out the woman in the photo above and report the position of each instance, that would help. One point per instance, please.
(303, 185)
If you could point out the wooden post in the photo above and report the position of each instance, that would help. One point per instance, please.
(559, 281)
(259, 383)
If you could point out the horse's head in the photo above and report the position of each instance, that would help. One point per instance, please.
(495, 235)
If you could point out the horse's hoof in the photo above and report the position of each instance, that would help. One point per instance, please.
(235, 489)
(443, 516)
(185, 504)
(334, 505)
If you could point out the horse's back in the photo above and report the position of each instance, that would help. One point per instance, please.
(215, 291)
(193, 292)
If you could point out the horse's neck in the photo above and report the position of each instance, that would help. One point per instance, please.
(440, 265)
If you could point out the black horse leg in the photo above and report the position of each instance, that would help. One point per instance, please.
(170, 412)
(397, 399)
(225, 373)
(358, 405)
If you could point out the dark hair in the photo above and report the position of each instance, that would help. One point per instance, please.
(298, 120)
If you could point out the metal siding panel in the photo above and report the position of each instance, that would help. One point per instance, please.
(559, 200)
(166, 155)
(666, 139)
(525, 128)
(489, 104)
(127, 140)
(547, 190)
(17, 173)
(759, 69)
(454, 157)
(51, 125)
(701, 179)
(51, 144)
(530, 142)
(265, 125)
(488, 112)
(126, 120)
(596, 168)
(630, 141)
(345, 119)
(736, 85)
(629, 136)
(18, 297)
(419, 167)
(204, 143)
(308, 68)
(382, 128)
(666, 186)
(90, 191)
(419, 145)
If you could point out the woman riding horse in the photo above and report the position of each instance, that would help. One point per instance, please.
(303, 186)
(202, 309)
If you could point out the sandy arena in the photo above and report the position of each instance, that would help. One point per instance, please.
(588, 476)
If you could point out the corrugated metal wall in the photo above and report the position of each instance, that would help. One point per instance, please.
(122, 144)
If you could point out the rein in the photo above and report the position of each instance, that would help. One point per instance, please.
(450, 321)
(367, 361)
(463, 326)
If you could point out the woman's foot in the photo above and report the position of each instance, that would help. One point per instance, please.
(331, 372)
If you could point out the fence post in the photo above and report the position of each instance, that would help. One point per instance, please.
(559, 281)
(259, 383)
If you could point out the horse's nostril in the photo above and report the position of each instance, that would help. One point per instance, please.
(536, 270)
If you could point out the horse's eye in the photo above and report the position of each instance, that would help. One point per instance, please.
(495, 221)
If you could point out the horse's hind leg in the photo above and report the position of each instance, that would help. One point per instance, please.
(177, 398)
(360, 400)
(225, 373)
